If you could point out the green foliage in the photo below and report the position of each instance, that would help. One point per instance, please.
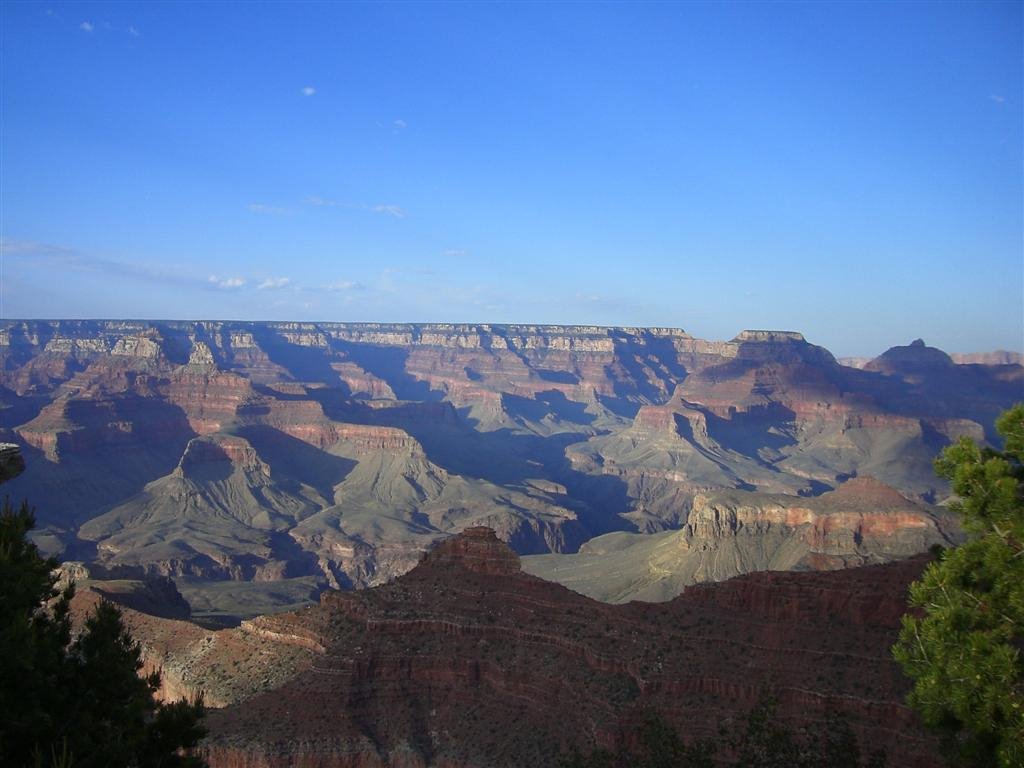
(80, 703)
(33, 672)
(962, 647)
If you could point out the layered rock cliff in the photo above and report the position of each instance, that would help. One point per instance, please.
(336, 453)
(729, 533)
(466, 661)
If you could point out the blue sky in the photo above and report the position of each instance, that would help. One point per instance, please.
(851, 171)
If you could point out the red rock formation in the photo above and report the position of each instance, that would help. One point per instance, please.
(462, 662)
(210, 400)
(476, 549)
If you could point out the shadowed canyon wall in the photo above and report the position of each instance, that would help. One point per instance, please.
(317, 455)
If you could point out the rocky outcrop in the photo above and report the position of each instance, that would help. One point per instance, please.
(458, 663)
(475, 549)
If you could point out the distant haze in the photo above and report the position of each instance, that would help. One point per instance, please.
(850, 171)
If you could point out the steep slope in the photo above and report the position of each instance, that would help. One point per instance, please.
(227, 666)
(395, 503)
(372, 504)
(219, 514)
(466, 661)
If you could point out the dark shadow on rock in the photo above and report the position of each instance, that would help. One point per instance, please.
(565, 409)
(82, 550)
(293, 462)
(977, 393)
(388, 363)
(15, 410)
(524, 407)
(628, 354)
(300, 562)
(620, 406)
(311, 364)
(557, 377)
(92, 479)
(176, 344)
(816, 487)
(206, 462)
(748, 432)
(508, 458)
(22, 345)
(665, 352)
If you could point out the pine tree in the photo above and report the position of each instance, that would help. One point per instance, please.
(963, 645)
(81, 703)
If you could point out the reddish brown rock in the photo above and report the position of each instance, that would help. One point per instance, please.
(462, 664)
(475, 549)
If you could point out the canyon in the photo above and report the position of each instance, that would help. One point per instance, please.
(259, 464)
(466, 660)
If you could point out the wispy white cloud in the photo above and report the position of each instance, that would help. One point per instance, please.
(997, 98)
(225, 283)
(101, 26)
(390, 210)
(400, 124)
(308, 90)
(272, 210)
(62, 259)
(29, 248)
(455, 253)
(344, 285)
(274, 283)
